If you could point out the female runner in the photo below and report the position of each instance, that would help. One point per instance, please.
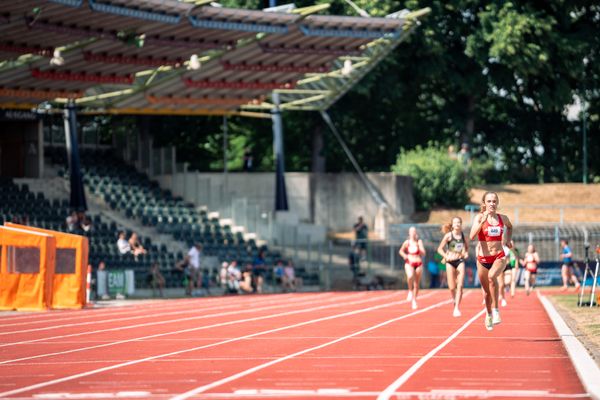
(455, 250)
(530, 262)
(513, 261)
(493, 230)
(412, 251)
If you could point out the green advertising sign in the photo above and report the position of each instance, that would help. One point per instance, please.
(116, 282)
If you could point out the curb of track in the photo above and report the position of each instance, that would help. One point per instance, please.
(587, 370)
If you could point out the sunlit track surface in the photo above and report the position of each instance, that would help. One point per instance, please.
(299, 346)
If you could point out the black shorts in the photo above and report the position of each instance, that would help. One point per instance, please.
(486, 265)
(456, 263)
(508, 267)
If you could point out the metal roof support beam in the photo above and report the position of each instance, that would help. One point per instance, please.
(281, 201)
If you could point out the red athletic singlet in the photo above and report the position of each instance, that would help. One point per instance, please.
(491, 233)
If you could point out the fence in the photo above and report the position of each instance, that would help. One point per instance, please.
(328, 263)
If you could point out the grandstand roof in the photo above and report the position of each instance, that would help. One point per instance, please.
(136, 56)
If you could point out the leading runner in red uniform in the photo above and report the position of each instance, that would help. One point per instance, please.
(493, 231)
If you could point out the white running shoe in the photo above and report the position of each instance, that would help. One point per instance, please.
(489, 324)
(456, 313)
(409, 296)
(496, 316)
(414, 304)
(503, 303)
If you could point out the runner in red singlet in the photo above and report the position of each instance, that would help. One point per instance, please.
(493, 231)
(412, 251)
(530, 262)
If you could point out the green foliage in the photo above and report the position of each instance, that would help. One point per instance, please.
(438, 179)
(496, 74)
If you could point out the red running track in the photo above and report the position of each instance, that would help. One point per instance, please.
(355, 345)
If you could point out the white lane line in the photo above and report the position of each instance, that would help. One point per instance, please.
(144, 316)
(195, 329)
(119, 328)
(346, 393)
(55, 315)
(174, 353)
(391, 389)
(257, 358)
(249, 371)
(587, 369)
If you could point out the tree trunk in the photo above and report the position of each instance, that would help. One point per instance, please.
(470, 121)
(318, 150)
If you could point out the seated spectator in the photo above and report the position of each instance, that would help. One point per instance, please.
(136, 246)
(223, 276)
(234, 276)
(278, 271)
(246, 282)
(259, 268)
(123, 244)
(86, 225)
(157, 280)
(289, 279)
(72, 222)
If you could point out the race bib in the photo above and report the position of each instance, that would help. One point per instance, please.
(458, 247)
(494, 231)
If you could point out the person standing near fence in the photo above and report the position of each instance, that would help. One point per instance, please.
(530, 262)
(361, 234)
(493, 230)
(455, 250)
(566, 270)
(412, 251)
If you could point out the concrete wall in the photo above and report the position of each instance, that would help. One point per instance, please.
(332, 200)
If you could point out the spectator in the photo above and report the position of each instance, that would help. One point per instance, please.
(290, 281)
(205, 283)
(194, 261)
(354, 262)
(72, 222)
(135, 246)
(157, 280)
(464, 155)
(278, 271)
(123, 244)
(259, 267)
(246, 282)
(234, 275)
(248, 160)
(442, 276)
(223, 276)
(183, 269)
(102, 281)
(361, 232)
(432, 267)
(86, 225)
(452, 152)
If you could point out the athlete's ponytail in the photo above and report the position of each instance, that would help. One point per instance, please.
(446, 228)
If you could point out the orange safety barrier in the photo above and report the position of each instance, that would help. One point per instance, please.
(26, 269)
(70, 275)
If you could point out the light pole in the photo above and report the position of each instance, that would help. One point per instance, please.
(585, 149)
(584, 123)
